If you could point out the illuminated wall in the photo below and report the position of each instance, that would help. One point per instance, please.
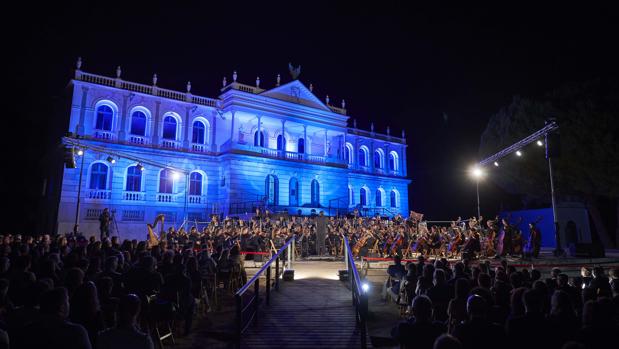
(306, 160)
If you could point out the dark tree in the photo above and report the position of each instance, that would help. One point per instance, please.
(588, 169)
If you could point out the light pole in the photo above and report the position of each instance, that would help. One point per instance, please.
(80, 152)
(477, 173)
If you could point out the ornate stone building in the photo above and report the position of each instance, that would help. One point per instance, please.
(149, 150)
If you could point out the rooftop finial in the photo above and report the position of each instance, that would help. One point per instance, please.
(327, 99)
(118, 72)
(224, 82)
(343, 104)
(388, 131)
(294, 72)
(258, 81)
(311, 87)
(354, 123)
(155, 79)
(234, 76)
(372, 127)
(279, 79)
(78, 64)
(188, 86)
(403, 134)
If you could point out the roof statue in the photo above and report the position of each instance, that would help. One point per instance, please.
(294, 72)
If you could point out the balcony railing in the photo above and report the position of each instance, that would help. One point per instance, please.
(133, 195)
(146, 89)
(197, 199)
(199, 148)
(138, 140)
(170, 144)
(289, 155)
(100, 194)
(162, 197)
(100, 134)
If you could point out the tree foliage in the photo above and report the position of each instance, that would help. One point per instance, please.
(588, 118)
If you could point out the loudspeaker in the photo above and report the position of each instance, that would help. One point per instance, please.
(586, 250)
(288, 275)
(343, 274)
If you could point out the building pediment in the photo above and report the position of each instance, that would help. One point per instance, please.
(296, 92)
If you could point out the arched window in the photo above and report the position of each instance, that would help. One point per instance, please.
(199, 132)
(379, 198)
(281, 145)
(259, 142)
(271, 190)
(315, 193)
(348, 153)
(393, 199)
(301, 146)
(138, 123)
(169, 128)
(378, 158)
(363, 153)
(105, 115)
(363, 194)
(351, 196)
(293, 195)
(195, 183)
(134, 179)
(98, 176)
(166, 181)
(393, 161)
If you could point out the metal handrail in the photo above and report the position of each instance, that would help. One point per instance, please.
(359, 296)
(253, 303)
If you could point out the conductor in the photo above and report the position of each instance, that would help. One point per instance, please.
(321, 233)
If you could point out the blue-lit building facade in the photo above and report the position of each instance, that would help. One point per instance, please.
(149, 151)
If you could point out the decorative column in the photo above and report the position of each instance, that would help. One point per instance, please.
(259, 131)
(80, 126)
(305, 143)
(186, 141)
(387, 157)
(371, 156)
(283, 139)
(156, 123)
(213, 132)
(325, 144)
(355, 153)
(232, 128)
(122, 133)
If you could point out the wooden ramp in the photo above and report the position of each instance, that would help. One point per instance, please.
(313, 311)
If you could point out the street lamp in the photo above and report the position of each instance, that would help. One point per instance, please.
(477, 173)
(80, 152)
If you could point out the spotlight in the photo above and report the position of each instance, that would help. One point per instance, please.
(496, 164)
(80, 152)
(140, 167)
(540, 143)
(365, 287)
(477, 172)
(111, 160)
(518, 153)
(175, 175)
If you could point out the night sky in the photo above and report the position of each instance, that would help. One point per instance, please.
(437, 72)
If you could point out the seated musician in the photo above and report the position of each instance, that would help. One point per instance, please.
(395, 271)
(472, 246)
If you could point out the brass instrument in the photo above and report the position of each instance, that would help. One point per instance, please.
(152, 238)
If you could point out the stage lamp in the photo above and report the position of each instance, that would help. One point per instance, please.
(80, 152)
(140, 167)
(539, 143)
(176, 175)
(518, 153)
(111, 160)
(496, 164)
(477, 172)
(365, 287)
